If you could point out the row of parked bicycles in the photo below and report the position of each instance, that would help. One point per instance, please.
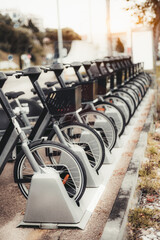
(71, 126)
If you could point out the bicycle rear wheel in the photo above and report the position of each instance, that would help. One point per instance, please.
(132, 92)
(135, 88)
(87, 138)
(125, 95)
(103, 124)
(121, 103)
(139, 85)
(61, 158)
(114, 112)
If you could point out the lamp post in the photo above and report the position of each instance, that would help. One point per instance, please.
(109, 39)
(60, 39)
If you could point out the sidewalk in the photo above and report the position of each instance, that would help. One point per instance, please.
(116, 224)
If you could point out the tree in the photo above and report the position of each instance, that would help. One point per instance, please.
(119, 46)
(5, 19)
(32, 26)
(68, 36)
(147, 12)
(22, 40)
(67, 33)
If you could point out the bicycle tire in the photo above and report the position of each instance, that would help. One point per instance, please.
(132, 92)
(147, 77)
(128, 97)
(138, 85)
(92, 143)
(124, 107)
(109, 137)
(144, 81)
(71, 165)
(134, 87)
(117, 115)
(141, 84)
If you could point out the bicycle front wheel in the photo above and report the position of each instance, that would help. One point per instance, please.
(61, 158)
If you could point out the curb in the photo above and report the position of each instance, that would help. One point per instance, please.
(116, 224)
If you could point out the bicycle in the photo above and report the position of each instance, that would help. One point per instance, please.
(48, 123)
(100, 105)
(38, 155)
(97, 120)
(118, 87)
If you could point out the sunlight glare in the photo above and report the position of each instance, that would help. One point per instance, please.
(119, 19)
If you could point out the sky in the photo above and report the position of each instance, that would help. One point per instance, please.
(86, 17)
(81, 15)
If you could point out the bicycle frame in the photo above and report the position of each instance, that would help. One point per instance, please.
(45, 118)
(12, 134)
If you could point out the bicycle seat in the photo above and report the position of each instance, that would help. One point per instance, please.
(13, 95)
(50, 84)
(70, 82)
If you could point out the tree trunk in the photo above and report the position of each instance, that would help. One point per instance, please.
(20, 61)
(156, 30)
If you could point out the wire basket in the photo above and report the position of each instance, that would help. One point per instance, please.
(89, 90)
(64, 100)
(102, 85)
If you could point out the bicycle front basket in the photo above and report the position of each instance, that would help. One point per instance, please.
(89, 90)
(64, 100)
(102, 85)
